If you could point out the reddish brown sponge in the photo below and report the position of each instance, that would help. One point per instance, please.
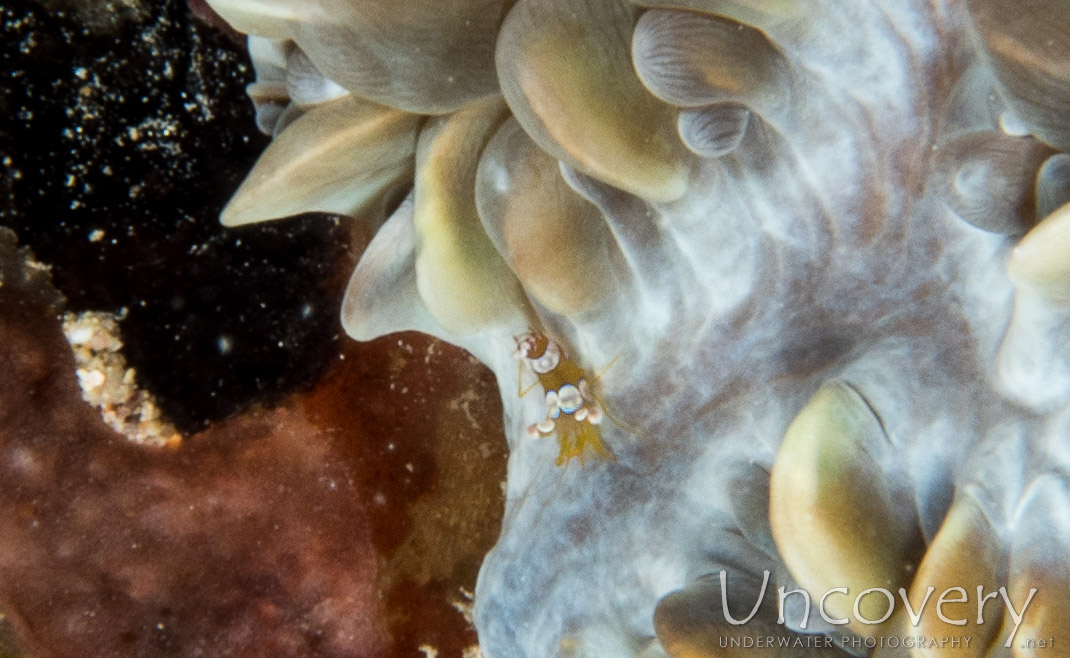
(248, 540)
(323, 527)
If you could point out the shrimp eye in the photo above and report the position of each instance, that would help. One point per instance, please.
(525, 346)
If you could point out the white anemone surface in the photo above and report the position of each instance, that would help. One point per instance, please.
(823, 248)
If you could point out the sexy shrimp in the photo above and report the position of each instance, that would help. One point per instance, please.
(573, 411)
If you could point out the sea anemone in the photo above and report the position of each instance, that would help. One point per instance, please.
(822, 247)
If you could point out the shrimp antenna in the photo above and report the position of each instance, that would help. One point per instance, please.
(520, 390)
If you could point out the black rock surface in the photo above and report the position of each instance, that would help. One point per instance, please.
(124, 128)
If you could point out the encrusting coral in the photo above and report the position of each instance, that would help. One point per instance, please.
(794, 228)
(109, 385)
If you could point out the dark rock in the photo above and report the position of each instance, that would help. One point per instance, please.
(120, 141)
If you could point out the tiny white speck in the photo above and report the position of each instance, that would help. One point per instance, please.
(225, 344)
